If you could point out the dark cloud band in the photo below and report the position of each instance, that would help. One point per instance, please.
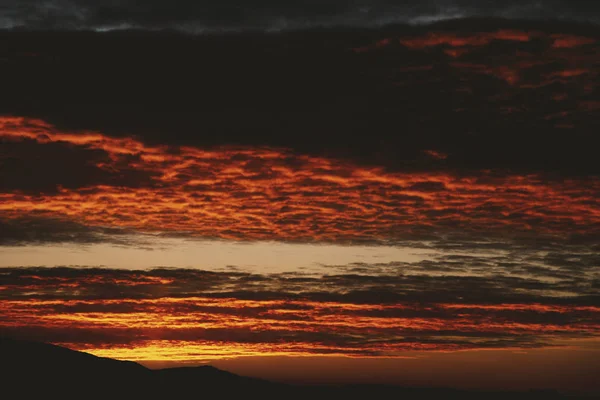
(499, 95)
(198, 16)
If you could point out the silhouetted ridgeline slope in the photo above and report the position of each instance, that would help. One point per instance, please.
(31, 368)
(39, 370)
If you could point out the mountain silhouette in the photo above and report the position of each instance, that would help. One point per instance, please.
(46, 371)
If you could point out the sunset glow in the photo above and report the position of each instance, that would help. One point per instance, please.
(405, 204)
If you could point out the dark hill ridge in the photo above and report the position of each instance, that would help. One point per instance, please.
(39, 370)
(60, 371)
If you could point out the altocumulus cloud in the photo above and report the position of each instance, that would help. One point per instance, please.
(274, 194)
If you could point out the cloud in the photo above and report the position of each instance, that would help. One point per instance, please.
(262, 193)
(347, 314)
(31, 167)
(376, 90)
(448, 278)
(30, 230)
(198, 16)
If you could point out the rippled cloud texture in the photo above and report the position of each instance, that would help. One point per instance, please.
(180, 315)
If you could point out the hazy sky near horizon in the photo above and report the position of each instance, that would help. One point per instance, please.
(260, 257)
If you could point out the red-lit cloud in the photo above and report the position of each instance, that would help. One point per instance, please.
(263, 193)
(561, 53)
(187, 315)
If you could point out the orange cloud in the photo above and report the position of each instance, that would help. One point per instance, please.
(562, 41)
(456, 40)
(195, 315)
(508, 65)
(264, 193)
(199, 328)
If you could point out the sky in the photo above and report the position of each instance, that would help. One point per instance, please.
(413, 204)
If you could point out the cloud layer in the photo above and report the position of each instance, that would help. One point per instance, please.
(270, 194)
(191, 315)
(198, 16)
(461, 97)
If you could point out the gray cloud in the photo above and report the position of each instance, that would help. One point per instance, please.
(525, 276)
(31, 230)
(203, 15)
